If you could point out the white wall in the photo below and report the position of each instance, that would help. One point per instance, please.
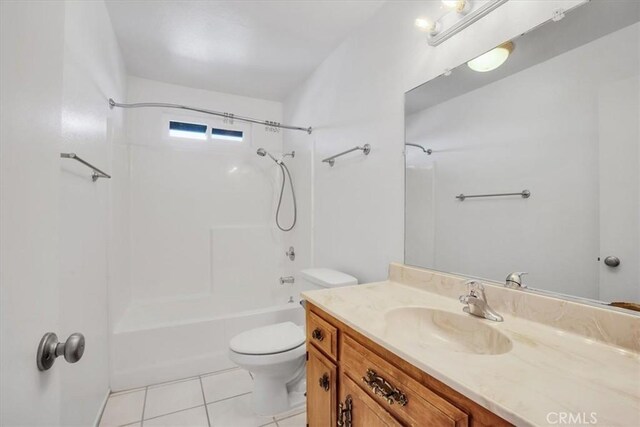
(356, 96)
(202, 212)
(93, 72)
(537, 129)
(60, 63)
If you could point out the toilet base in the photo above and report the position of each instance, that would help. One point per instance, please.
(279, 380)
(272, 396)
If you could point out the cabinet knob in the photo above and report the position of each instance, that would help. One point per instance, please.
(324, 382)
(317, 334)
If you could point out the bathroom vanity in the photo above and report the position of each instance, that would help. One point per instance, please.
(351, 380)
(403, 352)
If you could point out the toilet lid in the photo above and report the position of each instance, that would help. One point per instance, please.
(268, 339)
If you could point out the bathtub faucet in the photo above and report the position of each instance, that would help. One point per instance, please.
(288, 279)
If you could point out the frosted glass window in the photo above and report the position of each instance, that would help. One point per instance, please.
(227, 134)
(187, 130)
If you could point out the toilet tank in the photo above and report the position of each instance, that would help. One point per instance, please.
(322, 278)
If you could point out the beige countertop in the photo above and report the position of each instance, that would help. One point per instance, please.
(547, 373)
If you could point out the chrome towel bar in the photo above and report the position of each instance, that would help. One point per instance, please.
(366, 149)
(97, 173)
(525, 194)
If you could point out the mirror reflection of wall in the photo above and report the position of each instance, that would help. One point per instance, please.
(558, 118)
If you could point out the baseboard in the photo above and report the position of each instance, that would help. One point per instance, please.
(96, 422)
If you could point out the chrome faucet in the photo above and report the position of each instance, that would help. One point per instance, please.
(288, 279)
(476, 302)
(514, 280)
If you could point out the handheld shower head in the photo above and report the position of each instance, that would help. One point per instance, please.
(262, 152)
(285, 174)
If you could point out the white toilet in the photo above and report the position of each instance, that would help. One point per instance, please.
(275, 354)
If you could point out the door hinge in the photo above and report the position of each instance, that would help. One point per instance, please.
(344, 412)
(307, 355)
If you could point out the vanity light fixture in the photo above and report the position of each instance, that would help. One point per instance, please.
(459, 14)
(460, 6)
(493, 59)
(427, 26)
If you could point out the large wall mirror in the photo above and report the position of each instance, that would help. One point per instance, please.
(527, 159)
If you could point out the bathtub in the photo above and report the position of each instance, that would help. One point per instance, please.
(178, 339)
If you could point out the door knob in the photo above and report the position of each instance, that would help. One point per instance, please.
(612, 261)
(49, 348)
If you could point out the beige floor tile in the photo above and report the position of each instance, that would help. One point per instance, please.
(291, 413)
(226, 384)
(123, 409)
(299, 420)
(235, 412)
(166, 398)
(195, 417)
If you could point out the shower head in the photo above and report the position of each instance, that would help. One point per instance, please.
(262, 152)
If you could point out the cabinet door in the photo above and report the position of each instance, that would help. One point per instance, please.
(364, 411)
(321, 390)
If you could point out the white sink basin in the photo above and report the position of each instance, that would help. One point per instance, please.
(449, 331)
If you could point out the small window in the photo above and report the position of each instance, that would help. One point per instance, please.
(226, 134)
(187, 130)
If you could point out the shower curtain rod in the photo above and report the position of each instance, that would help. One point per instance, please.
(230, 116)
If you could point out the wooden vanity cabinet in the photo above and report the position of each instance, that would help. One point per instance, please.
(353, 382)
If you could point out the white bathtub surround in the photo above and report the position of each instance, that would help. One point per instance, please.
(548, 369)
(217, 399)
(205, 255)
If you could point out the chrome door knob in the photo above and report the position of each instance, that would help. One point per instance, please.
(73, 348)
(612, 261)
(49, 348)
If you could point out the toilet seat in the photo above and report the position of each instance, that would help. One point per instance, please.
(268, 340)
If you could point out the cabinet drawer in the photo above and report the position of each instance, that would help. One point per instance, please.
(413, 403)
(322, 334)
(363, 410)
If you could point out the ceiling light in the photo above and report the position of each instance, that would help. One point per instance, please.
(428, 26)
(460, 6)
(492, 59)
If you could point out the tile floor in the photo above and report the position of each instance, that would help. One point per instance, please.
(221, 399)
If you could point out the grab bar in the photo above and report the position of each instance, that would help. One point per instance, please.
(525, 194)
(97, 173)
(366, 149)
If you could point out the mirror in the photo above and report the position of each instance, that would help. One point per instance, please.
(533, 166)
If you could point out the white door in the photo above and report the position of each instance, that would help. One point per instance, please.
(30, 91)
(620, 190)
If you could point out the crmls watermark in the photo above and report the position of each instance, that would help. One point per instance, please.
(572, 418)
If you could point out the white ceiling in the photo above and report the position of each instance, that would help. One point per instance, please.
(262, 49)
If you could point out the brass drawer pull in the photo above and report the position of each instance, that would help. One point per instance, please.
(382, 388)
(324, 382)
(317, 334)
